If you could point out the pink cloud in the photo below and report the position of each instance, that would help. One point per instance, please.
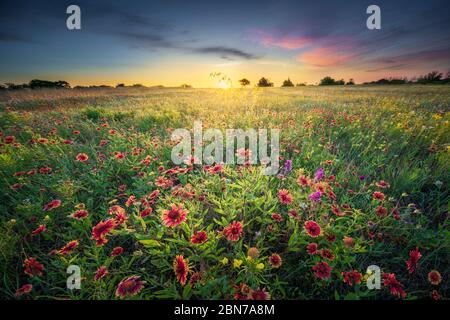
(324, 57)
(285, 42)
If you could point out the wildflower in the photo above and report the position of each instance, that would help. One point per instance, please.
(52, 205)
(130, 286)
(174, 216)
(224, 261)
(303, 181)
(237, 263)
(69, 247)
(100, 273)
(318, 175)
(352, 277)
(82, 157)
(199, 237)
(395, 287)
(378, 195)
(116, 251)
(181, 269)
(145, 212)
(253, 253)
(26, 288)
(195, 278)
(116, 209)
(101, 230)
(284, 196)
(312, 228)
(315, 196)
(260, 266)
(382, 184)
(39, 229)
(322, 270)
(275, 260)
(326, 253)
(130, 201)
(242, 292)
(434, 277)
(381, 211)
(349, 242)
(277, 217)
(79, 214)
(259, 294)
(233, 231)
(33, 267)
(335, 209)
(414, 256)
(435, 295)
(311, 248)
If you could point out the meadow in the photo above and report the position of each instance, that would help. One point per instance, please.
(87, 180)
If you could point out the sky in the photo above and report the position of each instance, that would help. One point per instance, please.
(174, 42)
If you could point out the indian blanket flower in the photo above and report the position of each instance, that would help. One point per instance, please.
(199, 237)
(101, 230)
(303, 181)
(349, 242)
(233, 231)
(79, 214)
(315, 196)
(435, 295)
(181, 269)
(275, 260)
(322, 270)
(352, 277)
(116, 251)
(26, 288)
(82, 157)
(395, 287)
(39, 229)
(381, 211)
(284, 196)
(52, 205)
(414, 256)
(259, 294)
(377, 195)
(312, 228)
(382, 184)
(130, 286)
(253, 252)
(174, 216)
(312, 248)
(33, 267)
(69, 247)
(434, 277)
(100, 273)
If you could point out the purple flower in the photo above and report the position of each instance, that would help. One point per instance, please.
(362, 178)
(287, 166)
(315, 196)
(318, 175)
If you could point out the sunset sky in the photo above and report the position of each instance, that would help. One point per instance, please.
(174, 42)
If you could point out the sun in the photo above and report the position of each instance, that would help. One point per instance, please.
(222, 84)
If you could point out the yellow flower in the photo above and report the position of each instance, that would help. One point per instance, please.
(224, 260)
(260, 266)
(237, 263)
(437, 116)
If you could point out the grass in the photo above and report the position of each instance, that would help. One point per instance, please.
(359, 135)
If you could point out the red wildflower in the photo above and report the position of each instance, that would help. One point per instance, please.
(195, 278)
(378, 195)
(181, 269)
(174, 216)
(101, 272)
(69, 247)
(199, 237)
(275, 260)
(277, 217)
(130, 286)
(82, 157)
(101, 230)
(233, 231)
(382, 184)
(414, 256)
(349, 242)
(434, 277)
(284, 196)
(311, 248)
(352, 277)
(312, 228)
(145, 212)
(435, 295)
(9, 139)
(303, 181)
(115, 210)
(326, 253)
(39, 229)
(26, 288)
(52, 205)
(33, 267)
(259, 294)
(322, 270)
(130, 201)
(381, 211)
(395, 287)
(79, 214)
(116, 251)
(335, 209)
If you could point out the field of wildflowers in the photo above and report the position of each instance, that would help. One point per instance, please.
(87, 180)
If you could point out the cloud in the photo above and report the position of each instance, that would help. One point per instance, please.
(289, 42)
(324, 57)
(225, 52)
(10, 37)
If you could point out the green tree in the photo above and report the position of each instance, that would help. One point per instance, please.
(244, 82)
(287, 83)
(327, 81)
(263, 82)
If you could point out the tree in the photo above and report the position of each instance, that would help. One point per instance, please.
(120, 85)
(263, 82)
(244, 82)
(186, 86)
(287, 83)
(431, 77)
(350, 82)
(340, 82)
(327, 81)
(301, 84)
